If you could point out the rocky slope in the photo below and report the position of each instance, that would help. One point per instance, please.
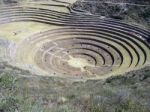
(134, 11)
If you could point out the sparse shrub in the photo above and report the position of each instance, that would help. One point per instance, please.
(7, 81)
(9, 104)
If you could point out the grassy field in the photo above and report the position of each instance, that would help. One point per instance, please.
(21, 91)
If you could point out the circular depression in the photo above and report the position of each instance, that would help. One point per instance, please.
(81, 53)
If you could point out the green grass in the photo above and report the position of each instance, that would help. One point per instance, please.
(128, 93)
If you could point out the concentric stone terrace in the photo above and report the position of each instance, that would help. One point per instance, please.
(52, 38)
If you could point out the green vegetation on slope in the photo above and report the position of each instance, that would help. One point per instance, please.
(133, 11)
(21, 91)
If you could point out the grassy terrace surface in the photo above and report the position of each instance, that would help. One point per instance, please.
(22, 91)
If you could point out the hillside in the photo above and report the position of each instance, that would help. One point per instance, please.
(24, 92)
(136, 12)
(74, 56)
